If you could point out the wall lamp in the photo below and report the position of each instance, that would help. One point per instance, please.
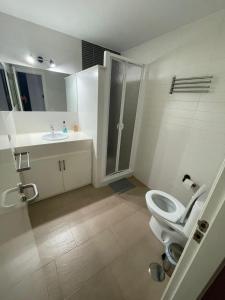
(40, 59)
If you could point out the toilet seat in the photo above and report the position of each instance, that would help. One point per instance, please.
(168, 207)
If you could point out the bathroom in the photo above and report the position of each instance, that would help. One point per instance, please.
(97, 134)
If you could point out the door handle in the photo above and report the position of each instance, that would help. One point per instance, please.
(35, 190)
(64, 165)
(20, 189)
(60, 167)
(203, 225)
(120, 126)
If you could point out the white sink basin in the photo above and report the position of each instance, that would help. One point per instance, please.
(56, 136)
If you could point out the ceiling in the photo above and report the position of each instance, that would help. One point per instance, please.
(116, 24)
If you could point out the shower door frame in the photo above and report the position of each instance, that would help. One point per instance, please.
(108, 57)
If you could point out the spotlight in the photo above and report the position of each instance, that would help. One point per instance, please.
(52, 64)
(30, 59)
(40, 59)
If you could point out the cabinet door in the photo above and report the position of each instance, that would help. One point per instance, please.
(46, 174)
(77, 171)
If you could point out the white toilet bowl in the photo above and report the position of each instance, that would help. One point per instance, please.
(164, 205)
(171, 221)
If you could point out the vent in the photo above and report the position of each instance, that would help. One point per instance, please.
(93, 55)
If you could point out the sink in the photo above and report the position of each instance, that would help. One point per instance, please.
(56, 136)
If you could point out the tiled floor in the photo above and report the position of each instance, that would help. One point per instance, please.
(95, 244)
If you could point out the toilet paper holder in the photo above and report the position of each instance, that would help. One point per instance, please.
(186, 176)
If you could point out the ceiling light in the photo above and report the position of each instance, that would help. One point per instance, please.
(30, 59)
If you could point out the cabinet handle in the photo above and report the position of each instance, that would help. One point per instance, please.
(64, 165)
(60, 168)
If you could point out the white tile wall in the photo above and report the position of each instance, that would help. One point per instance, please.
(182, 133)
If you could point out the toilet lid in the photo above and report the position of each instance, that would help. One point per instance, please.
(176, 208)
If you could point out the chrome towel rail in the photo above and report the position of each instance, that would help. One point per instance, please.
(200, 84)
(18, 158)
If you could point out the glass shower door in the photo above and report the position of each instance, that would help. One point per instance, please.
(116, 90)
(133, 79)
(124, 93)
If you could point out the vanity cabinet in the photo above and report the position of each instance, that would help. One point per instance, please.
(76, 170)
(60, 173)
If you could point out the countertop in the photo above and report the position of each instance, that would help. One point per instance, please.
(35, 139)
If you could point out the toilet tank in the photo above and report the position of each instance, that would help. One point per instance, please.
(194, 215)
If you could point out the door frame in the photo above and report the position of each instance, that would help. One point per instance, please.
(194, 261)
(108, 57)
(32, 71)
(8, 85)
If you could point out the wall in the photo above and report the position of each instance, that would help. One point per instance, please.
(20, 38)
(182, 133)
(28, 122)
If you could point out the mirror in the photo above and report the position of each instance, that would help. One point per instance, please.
(32, 89)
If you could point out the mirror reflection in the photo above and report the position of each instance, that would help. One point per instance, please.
(31, 89)
(5, 99)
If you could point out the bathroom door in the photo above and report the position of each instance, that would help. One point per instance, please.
(18, 253)
(123, 100)
(200, 261)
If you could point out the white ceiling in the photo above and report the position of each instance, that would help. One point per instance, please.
(116, 24)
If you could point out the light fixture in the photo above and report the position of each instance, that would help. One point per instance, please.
(41, 60)
(52, 64)
(30, 59)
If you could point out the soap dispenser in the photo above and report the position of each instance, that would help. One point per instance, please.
(64, 128)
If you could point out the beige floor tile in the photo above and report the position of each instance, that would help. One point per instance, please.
(47, 227)
(136, 197)
(87, 197)
(94, 208)
(81, 263)
(30, 287)
(131, 270)
(46, 206)
(42, 284)
(102, 286)
(131, 229)
(136, 182)
(54, 243)
(94, 244)
(52, 281)
(101, 220)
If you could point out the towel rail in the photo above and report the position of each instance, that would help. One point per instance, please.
(200, 84)
(18, 158)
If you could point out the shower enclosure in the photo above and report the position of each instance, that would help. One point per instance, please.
(124, 82)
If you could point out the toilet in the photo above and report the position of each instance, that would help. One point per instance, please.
(171, 221)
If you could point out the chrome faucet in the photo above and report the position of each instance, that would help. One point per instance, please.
(52, 130)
